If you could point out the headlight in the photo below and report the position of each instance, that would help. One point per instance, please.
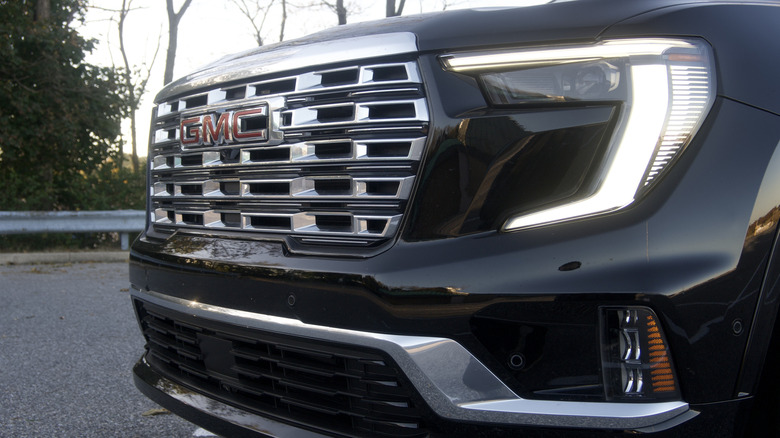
(664, 88)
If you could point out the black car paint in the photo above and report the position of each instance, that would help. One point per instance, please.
(691, 249)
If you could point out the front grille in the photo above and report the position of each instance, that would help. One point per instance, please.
(330, 388)
(325, 157)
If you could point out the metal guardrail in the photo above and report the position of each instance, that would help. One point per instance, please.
(27, 222)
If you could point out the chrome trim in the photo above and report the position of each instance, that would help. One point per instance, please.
(373, 92)
(288, 56)
(304, 83)
(303, 152)
(454, 383)
(364, 76)
(360, 114)
(306, 188)
(390, 128)
(201, 168)
(302, 224)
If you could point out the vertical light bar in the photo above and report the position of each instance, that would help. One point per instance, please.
(690, 98)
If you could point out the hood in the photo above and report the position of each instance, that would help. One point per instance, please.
(579, 20)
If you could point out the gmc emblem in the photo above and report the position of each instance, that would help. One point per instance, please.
(225, 128)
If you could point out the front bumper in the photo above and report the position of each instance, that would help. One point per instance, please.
(453, 383)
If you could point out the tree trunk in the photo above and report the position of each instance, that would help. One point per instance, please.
(42, 11)
(129, 84)
(284, 20)
(341, 12)
(173, 40)
(136, 165)
(173, 37)
(391, 11)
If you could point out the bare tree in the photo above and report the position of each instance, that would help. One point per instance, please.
(284, 20)
(391, 10)
(252, 9)
(447, 3)
(339, 9)
(135, 87)
(173, 35)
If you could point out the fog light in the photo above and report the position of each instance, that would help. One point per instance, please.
(635, 357)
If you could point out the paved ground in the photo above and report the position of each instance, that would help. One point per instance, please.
(62, 257)
(68, 340)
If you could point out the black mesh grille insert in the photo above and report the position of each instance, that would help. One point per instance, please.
(335, 389)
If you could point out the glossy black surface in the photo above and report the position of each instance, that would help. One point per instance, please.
(495, 163)
(681, 251)
(743, 38)
(697, 248)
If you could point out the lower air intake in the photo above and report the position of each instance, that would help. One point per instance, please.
(333, 388)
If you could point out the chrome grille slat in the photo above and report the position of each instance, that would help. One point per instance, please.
(304, 223)
(330, 152)
(306, 82)
(302, 152)
(358, 113)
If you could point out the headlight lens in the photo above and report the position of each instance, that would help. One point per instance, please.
(664, 87)
(591, 81)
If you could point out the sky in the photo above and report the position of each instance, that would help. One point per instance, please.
(211, 29)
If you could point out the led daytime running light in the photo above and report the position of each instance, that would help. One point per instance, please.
(559, 55)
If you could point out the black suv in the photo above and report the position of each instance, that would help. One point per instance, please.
(559, 219)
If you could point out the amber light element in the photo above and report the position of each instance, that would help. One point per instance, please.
(636, 361)
(661, 374)
(682, 57)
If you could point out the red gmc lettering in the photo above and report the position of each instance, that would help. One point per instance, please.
(229, 127)
(212, 135)
(189, 133)
(237, 116)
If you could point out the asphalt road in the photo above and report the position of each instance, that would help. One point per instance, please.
(68, 341)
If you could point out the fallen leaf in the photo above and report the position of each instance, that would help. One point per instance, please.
(157, 411)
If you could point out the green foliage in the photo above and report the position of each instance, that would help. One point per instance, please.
(59, 116)
(113, 188)
(109, 187)
(59, 124)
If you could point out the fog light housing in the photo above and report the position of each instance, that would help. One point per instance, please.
(636, 361)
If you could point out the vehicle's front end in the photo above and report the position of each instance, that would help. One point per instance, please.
(556, 219)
